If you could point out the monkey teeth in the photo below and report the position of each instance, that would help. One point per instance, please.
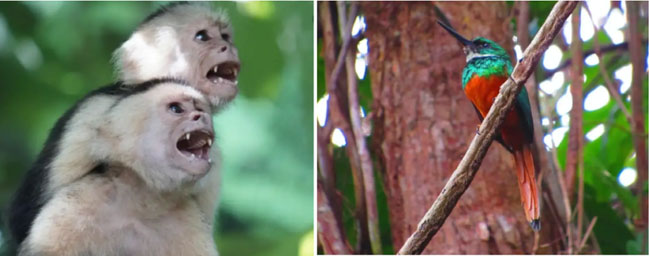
(195, 144)
(226, 71)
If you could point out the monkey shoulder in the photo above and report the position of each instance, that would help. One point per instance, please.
(61, 150)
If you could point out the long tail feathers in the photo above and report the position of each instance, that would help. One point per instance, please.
(527, 185)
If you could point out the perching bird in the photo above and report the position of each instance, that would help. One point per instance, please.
(488, 67)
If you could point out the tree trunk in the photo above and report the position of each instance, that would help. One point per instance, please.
(423, 124)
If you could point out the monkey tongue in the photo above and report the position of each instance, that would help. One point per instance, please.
(200, 152)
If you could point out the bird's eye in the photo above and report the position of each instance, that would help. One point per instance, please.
(202, 35)
(225, 36)
(485, 45)
(176, 108)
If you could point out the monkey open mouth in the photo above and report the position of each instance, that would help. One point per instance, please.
(226, 71)
(195, 144)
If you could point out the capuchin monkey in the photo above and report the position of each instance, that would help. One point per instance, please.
(186, 41)
(147, 197)
(180, 42)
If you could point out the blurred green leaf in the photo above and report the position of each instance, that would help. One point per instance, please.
(365, 92)
(610, 230)
(539, 10)
(321, 87)
(635, 246)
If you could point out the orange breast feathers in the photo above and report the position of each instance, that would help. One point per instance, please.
(482, 91)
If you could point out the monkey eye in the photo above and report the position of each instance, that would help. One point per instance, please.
(175, 107)
(202, 35)
(225, 36)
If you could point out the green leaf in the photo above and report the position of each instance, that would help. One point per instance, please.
(635, 246)
(321, 86)
(539, 11)
(365, 92)
(611, 232)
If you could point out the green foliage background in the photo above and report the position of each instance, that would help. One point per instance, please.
(52, 53)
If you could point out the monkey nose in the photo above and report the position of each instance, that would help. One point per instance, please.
(197, 116)
(202, 117)
(223, 48)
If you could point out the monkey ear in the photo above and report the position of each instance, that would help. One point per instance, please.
(149, 53)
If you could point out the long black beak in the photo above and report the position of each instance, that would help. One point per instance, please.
(458, 37)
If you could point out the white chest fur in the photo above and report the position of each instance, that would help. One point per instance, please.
(115, 214)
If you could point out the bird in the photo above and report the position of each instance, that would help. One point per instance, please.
(487, 68)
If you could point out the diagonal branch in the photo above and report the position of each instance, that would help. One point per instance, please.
(347, 39)
(468, 166)
(587, 234)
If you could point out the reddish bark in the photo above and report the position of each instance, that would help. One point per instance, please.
(574, 162)
(329, 231)
(424, 123)
(575, 129)
(636, 23)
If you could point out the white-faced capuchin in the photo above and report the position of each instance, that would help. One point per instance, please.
(144, 197)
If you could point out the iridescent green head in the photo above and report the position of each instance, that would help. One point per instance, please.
(479, 47)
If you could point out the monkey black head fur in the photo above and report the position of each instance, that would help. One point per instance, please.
(186, 41)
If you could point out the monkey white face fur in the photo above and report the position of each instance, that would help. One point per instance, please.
(171, 132)
(185, 41)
